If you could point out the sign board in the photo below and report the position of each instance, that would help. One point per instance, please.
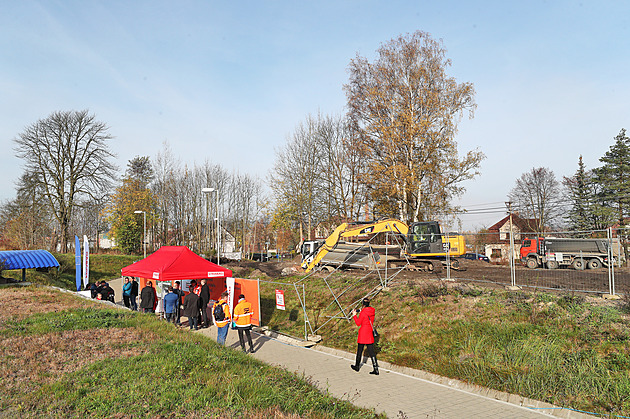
(280, 299)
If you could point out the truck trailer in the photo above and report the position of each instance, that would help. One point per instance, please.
(553, 252)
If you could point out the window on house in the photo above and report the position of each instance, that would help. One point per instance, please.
(496, 254)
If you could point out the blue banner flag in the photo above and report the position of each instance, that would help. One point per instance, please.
(77, 261)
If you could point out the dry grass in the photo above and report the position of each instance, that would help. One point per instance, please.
(31, 360)
(18, 303)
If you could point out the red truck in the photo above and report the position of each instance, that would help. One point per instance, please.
(552, 252)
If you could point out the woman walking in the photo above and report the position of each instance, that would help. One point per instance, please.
(365, 321)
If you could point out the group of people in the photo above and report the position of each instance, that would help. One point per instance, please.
(101, 290)
(194, 306)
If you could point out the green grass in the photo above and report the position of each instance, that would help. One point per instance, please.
(165, 372)
(555, 348)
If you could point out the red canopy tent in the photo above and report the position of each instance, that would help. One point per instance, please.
(175, 263)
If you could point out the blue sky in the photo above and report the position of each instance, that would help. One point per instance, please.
(228, 82)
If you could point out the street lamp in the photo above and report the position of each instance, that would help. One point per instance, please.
(144, 230)
(208, 191)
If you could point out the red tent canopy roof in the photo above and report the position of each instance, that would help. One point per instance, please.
(172, 263)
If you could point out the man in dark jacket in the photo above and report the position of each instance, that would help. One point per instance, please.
(192, 302)
(134, 294)
(178, 290)
(205, 299)
(148, 298)
(108, 292)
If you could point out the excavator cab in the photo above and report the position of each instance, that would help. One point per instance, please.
(425, 238)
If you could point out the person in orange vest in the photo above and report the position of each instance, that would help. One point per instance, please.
(221, 316)
(242, 316)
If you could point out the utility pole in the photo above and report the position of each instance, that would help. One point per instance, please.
(512, 264)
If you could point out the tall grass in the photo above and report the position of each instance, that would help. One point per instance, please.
(559, 349)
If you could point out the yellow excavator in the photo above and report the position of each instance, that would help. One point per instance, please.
(424, 244)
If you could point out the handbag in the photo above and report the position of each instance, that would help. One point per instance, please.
(374, 332)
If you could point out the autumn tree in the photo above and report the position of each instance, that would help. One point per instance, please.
(68, 155)
(127, 227)
(405, 109)
(614, 176)
(537, 195)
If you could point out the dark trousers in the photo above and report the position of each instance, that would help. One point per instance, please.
(178, 315)
(192, 322)
(370, 348)
(134, 303)
(246, 331)
(204, 314)
(127, 300)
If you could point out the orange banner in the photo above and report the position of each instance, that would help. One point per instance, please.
(249, 288)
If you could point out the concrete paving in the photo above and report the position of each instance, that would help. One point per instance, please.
(397, 392)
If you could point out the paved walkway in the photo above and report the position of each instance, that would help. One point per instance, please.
(397, 392)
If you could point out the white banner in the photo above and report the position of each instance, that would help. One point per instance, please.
(86, 261)
(229, 283)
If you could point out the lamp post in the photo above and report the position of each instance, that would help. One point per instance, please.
(208, 191)
(218, 237)
(144, 230)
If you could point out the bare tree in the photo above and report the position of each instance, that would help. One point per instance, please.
(537, 194)
(296, 178)
(69, 154)
(25, 221)
(342, 169)
(405, 109)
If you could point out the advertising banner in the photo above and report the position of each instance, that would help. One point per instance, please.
(86, 261)
(77, 262)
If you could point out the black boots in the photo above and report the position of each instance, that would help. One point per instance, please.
(375, 364)
(357, 366)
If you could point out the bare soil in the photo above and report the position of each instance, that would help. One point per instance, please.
(481, 273)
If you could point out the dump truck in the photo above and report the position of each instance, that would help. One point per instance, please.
(553, 252)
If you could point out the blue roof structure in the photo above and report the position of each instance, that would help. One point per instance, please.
(24, 259)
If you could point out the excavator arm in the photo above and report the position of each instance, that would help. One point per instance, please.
(352, 230)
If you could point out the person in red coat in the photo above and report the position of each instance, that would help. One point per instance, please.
(365, 321)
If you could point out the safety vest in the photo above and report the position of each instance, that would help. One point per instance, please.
(243, 313)
(226, 310)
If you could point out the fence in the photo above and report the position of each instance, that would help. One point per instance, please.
(567, 261)
(569, 270)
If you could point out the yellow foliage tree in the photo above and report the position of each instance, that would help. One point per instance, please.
(405, 109)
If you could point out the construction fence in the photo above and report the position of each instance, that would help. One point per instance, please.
(587, 261)
(590, 262)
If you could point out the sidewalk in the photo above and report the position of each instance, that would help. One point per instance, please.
(397, 392)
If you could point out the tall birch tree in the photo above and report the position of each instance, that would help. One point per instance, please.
(405, 109)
